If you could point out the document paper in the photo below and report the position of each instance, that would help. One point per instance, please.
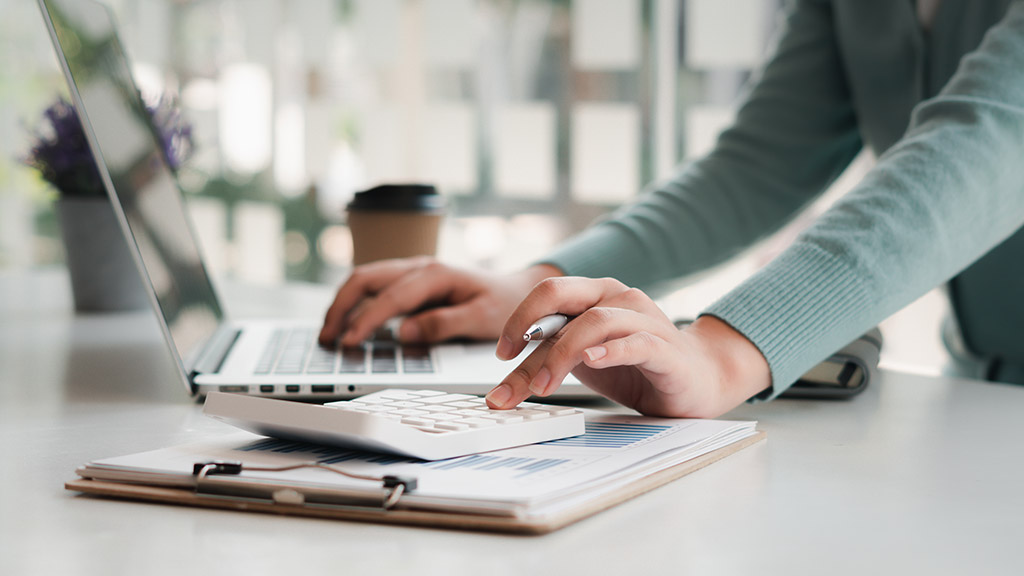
(527, 482)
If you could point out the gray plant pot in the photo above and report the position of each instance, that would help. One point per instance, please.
(103, 275)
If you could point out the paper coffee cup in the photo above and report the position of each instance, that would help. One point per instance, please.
(395, 221)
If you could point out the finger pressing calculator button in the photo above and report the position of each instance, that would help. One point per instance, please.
(532, 414)
(501, 417)
(557, 410)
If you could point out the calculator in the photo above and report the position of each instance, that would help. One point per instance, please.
(423, 424)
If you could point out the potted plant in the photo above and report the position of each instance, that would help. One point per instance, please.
(103, 275)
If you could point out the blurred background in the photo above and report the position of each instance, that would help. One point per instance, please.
(532, 116)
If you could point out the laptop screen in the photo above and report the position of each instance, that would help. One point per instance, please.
(143, 184)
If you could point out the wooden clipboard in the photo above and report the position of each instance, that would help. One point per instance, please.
(452, 520)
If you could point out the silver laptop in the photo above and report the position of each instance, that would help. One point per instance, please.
(267, 358)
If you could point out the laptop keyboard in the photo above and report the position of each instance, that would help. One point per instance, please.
(296, 351)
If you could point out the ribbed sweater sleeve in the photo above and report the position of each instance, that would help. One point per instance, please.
(795, 132)
(949, 191)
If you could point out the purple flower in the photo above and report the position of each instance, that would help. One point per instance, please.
(62, 156)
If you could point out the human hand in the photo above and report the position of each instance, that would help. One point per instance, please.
(624, 347)
(442, 302)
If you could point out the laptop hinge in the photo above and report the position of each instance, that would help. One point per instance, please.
(216, 352)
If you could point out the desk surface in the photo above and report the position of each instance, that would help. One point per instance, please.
(917, 475)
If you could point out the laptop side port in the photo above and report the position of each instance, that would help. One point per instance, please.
(322, 388)
(292, 388)
(267, 388)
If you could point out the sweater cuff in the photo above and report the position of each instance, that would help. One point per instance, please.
(799, 309)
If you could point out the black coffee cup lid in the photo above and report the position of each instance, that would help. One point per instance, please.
(398, 197)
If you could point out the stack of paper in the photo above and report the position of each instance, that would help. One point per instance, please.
(542, 485)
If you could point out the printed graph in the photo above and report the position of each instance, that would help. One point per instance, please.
(610, 435)
(516, 466)
(598, 435)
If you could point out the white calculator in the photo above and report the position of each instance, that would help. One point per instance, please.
(425, 424)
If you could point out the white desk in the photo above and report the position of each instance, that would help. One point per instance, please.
(916, 476)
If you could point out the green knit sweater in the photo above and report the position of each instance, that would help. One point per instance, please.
(944, 110)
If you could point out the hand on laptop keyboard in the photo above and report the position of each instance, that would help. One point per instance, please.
(296, 351)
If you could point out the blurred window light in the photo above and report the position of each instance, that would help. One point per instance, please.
(154, 35)
(245, 117)
(296, 248)
(606, 34)
(605, 152)
(343, 179)
(259, 242)
(703, 126)
(383, 144)
(524, 150)
(545, 112)
(149, 78)
(376, 25)
(200, 94)
(290, 151)
(320, 137)
(448, 148)
(15, 231)
(726, 34)
(335, 245)
(527, 236)
(210, 222)
(315, 18)
(450, 29)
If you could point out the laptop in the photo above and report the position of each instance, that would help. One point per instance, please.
(213, 353)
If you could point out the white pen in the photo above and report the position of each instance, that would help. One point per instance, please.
(545, 327)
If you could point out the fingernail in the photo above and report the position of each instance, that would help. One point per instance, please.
(540, 382)
(409, 332)
(500, 395)
(504, 351)
(596, 353)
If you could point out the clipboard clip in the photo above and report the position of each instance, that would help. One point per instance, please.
(395, 486)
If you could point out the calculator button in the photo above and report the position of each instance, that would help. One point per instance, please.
(479, 422)
(445, 398)
(372, 400)
(441, 417)
(399, 394)
(412, 421)
(557, 410)
(503, 418)
(533, 414)
(410, 412)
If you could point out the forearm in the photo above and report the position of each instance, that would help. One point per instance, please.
(795, 132)
(948, 192)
